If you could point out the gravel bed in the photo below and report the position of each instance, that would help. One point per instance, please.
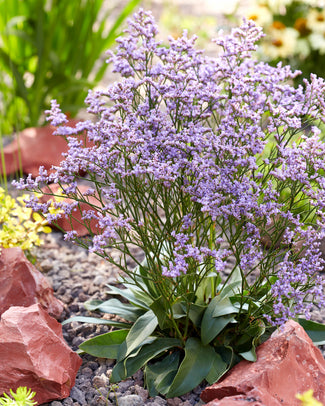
(77, 276)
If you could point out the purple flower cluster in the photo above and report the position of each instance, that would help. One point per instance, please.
(185, 144)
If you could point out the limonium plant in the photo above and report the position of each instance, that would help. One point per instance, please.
(189, 159)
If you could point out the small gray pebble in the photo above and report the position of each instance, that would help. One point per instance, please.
(143, 393)
(82, 297)
(160, 401)
(74, 307)
(100, 401)
(78, 395)
(113, 396)
(130, 400)
(99, 280)
(101, 370)
(91, 393)
(55, 403)
(86, 371)
(77, 341)
(68, 402)
(103, 391)
(46, 265)
(100, 381)
(200, 403)
(125, 385)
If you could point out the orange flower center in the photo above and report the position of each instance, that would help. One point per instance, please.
(277, 43)
(301, 26)
(278, 25)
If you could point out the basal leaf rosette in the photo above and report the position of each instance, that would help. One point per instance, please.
(194, 161)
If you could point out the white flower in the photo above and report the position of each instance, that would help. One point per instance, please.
(278, 6)
(317, 42)
(261, 15)
(302, 48)
(314, 3)
(281, 41)
(316, 20)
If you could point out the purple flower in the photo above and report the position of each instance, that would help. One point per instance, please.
(192, 153)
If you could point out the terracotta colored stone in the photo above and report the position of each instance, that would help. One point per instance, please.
(33, 353)
(64, 222)
(32, 148)
(21, 284)
(240, 400)
(288, 363)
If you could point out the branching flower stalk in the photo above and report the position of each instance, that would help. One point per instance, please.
(189, 160)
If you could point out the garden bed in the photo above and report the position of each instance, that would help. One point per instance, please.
(77, 276)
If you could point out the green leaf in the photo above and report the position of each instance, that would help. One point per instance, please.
(128, 295)
(315, 331)
(158, 307)
(249, 355)
(194, 368)
(141, 329)
(195, 313)
(138, 359)
(105, 345)
(252, 337)
(160, 375)
(212, 326)
(204, 290)
(142, 296)
(234, 286)
(178, 310)
(95, 320)
(218, 368)
(223, 307)
(114, 306)
(119, 372)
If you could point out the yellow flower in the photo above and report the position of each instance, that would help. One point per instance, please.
(307, 399)
(19, 226)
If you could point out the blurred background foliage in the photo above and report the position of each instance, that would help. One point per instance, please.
(54, 49)
(294, 33)
(49, 50)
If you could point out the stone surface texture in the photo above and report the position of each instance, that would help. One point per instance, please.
(21, 284)
(287, 363)
(33, 353)
(34, 147)
(75, 224)
(240, 400)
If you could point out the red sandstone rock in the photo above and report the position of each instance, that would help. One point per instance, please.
(240, 400)
(64, 222)
(33, 353)
(288, 363)
(21, 284)
(34, 147)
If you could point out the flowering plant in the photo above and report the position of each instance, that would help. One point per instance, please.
(307, 399)
(22, 397)
(181, 166)
(295, 32)
(19, 226)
